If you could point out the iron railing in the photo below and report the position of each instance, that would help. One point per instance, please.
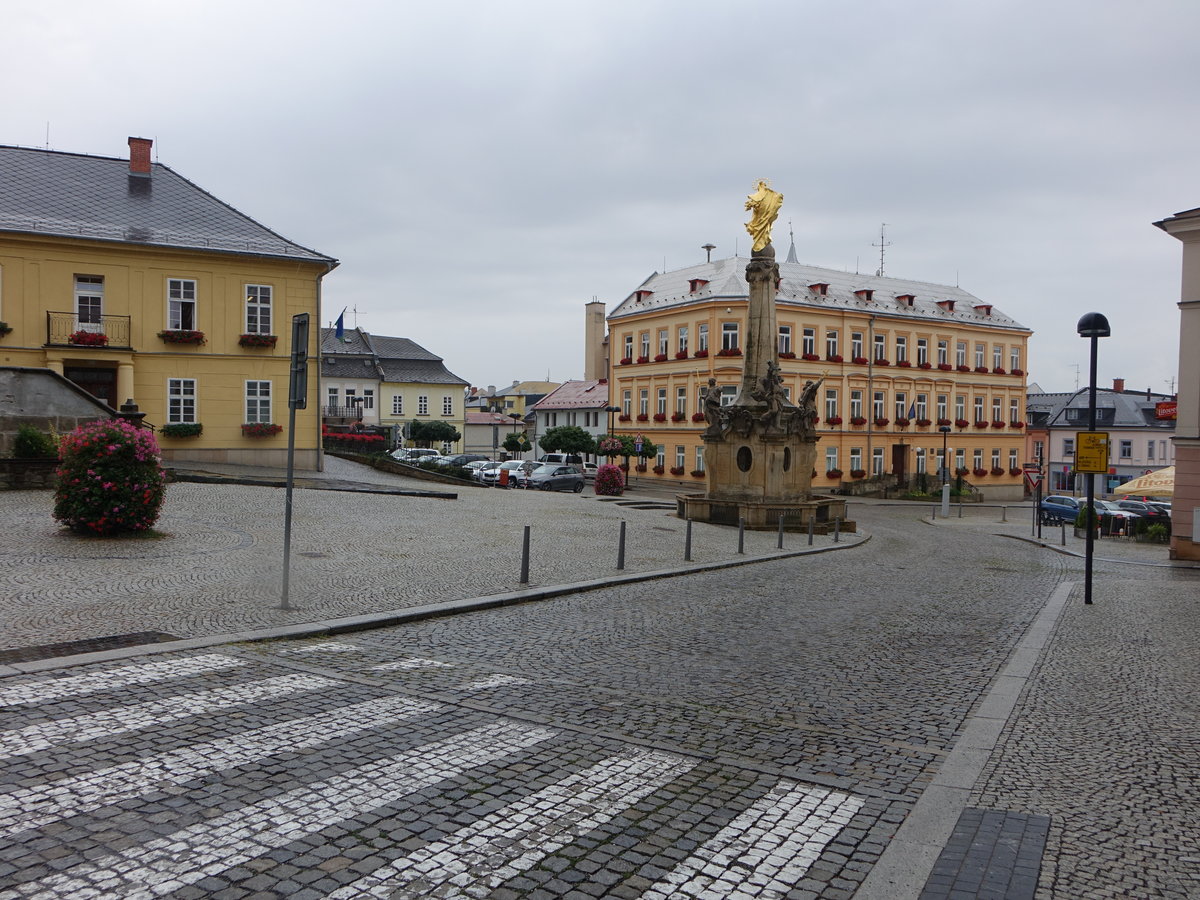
(110, 331)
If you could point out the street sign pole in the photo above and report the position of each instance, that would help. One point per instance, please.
(297, 399)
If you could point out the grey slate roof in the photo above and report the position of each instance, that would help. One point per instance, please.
(393, 359)
(75, 195)
(1114, 409)
(727, 281)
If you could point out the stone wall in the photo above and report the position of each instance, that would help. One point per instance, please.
(45, 400)
(27, 474)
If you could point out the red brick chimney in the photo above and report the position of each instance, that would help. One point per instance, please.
(139, 155)
(1118, 385)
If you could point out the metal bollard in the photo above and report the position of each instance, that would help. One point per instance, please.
(960, 506)
(741, 535)
(837, 530)
(621, 548)
(1004, 514)
(1063, 525)
(812, 524)
(687, 543)
(779, 542)
(935, 514)
(525, 557)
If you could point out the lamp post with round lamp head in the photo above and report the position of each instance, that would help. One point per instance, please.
(1092, 326)
(945, 430)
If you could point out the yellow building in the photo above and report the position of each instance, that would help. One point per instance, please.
(900, 359)
(135, 284)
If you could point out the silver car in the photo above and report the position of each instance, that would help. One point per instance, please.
(555, 477)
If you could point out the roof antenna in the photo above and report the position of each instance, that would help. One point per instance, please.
(47, 135)
(881, 245)
(708, 249)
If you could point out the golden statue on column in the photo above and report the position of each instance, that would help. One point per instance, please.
(764, 205)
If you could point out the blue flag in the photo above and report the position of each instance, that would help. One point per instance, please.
(340, 327)
(912, 411)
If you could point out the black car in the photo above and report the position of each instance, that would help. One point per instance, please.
(462, 459)
(1145, 510)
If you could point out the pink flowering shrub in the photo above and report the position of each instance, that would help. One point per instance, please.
(609, 481)
(109, 478)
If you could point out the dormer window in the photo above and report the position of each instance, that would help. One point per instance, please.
(694, 284)
(984, 309)
(947, 305)
(906, 299)
(864, 294)
(820, 288)
(641, 295)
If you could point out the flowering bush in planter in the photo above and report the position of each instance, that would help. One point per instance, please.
(260, 429)
(963, 368)
(610, 447)
(661, 357)
(882, 362)
(961, 423)
(351, 441)
(679, 417)
(698, 417)
(810, 357)
(1017, 424)
(697, 473)
(181, 429)
(902, 422)
(109, 478)
(997, 424)
(858, 473)
(997, 470)
(881, 421)
(642, 417)
(182, 336)
(1015, 471)
(257, 340)
(834, 420)
(660, 417)
(904, 364)
(924, 365)
(944, 367)
(1017, 372)
(999, 370)
(923, 423)
(859, 360)
(625, 361)
(609, 481)
(980, 472)
(730, 351)
(982, 423)
(836, 357)
(623, 418)
(834, 474)
(682, 354)
(676, 471)
(787, 354)
(658, 470)
(700, 354)
(88, 338)
(643, 359)
(943, 421)
(982, 370)
(858, 420)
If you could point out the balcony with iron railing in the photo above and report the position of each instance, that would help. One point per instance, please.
(66, 329)
(342, 412)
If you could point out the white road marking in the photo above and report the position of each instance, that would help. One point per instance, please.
(325, 647)
(93, 726)
(493, 681)
(766, 849)
(413, 662)
(207, 848)
(31, 808)
(512, 840)
(122, 676)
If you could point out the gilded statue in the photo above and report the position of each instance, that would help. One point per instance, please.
(764, 205)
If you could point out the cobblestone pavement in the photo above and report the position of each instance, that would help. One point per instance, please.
(752, 732)
(218, 568)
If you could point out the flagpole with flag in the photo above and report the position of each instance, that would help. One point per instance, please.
(339, 328)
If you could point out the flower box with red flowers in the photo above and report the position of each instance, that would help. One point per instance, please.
(980, 472)
(642, 417)
(945, 367)
(1017, 372)
(881, 421)
(882, 362)
(834, 473)
(678, 417)
(1015, 471)
(700, 354)
(810, 357)
(982, 370)
(698, 417)
(962, 470)
(681, 354)
(643, 359)
(997, 424)
(834, 420)
(257, 340)
(835, 357)
(1016, 424)
(924, 365)
(963, 368)
(626, 361)
(999, 370)
(181, 336)
(659, 417)
(858, 473)
(677, 470)
(641, 467)
(859, 360)
(260, 429)
(662, 357)
(902, 423)
(88, 338)
(787, 354)
(903, 364)
(961, 423)
(658, 470)
(623, 418)
(923, 423)
(730, 351)
(997, 471)
(982, 423)
(858, 421)
(943, 421)
(697, 473)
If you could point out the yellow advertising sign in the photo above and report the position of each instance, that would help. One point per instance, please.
(1091, 453)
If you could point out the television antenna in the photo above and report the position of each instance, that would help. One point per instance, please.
(883, 243)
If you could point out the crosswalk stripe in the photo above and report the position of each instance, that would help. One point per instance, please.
(324, 647)
(413, 662)
(108, 679)
(512, 840)
(154, 713)
(31, 808)
(209, 847)
(765, 850)
(498, 680)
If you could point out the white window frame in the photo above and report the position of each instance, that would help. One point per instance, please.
(664, 341)
(181, 304)
(831, 403)
(943, 351)
(628, 347)
(901, 349)
(681, 401)
(880, 348)
(831, 458)
(683, 339)
(785, 338)
(960, 353)
(922, 351)
(258, 309)
(368, 398)
(700, 459)
(422, 404)
(831, 344)
(89, 303)
(808, 341)
(856, 404)
(181, 401)
(702, 336)
(258, 402)
(397, 404)
(447, 405)
(856, 345)
(661, 402)
(729, 336)
(1014, 359)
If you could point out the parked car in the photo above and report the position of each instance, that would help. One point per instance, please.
(568, 458)
(520, 475)
(589, 471)
(511, 466)
(483, 468)
(552, 477)
(1057, 508)
(1146, 510)
(461, 459)
(475, 465)
(414, 454)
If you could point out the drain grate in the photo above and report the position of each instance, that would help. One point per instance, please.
(89, 645)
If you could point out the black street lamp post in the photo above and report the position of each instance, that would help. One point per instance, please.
(1092, 326)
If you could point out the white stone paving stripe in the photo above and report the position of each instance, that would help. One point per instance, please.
(153, 713)
(108, 679)
(492, 681)
(413, 662)
(329, 647)
(512, 840)
(35, 807)
(207, 848)
(765, 850)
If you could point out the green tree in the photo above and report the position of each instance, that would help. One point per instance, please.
(649, 448)
(426, 433)
(516, 442)
(567, 439)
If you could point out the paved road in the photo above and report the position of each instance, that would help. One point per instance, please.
(766, 731)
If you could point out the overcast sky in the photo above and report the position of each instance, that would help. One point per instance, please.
(484, 169)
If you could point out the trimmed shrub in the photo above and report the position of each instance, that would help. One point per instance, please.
(33, 444)
(109, 479)
(609, 481)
